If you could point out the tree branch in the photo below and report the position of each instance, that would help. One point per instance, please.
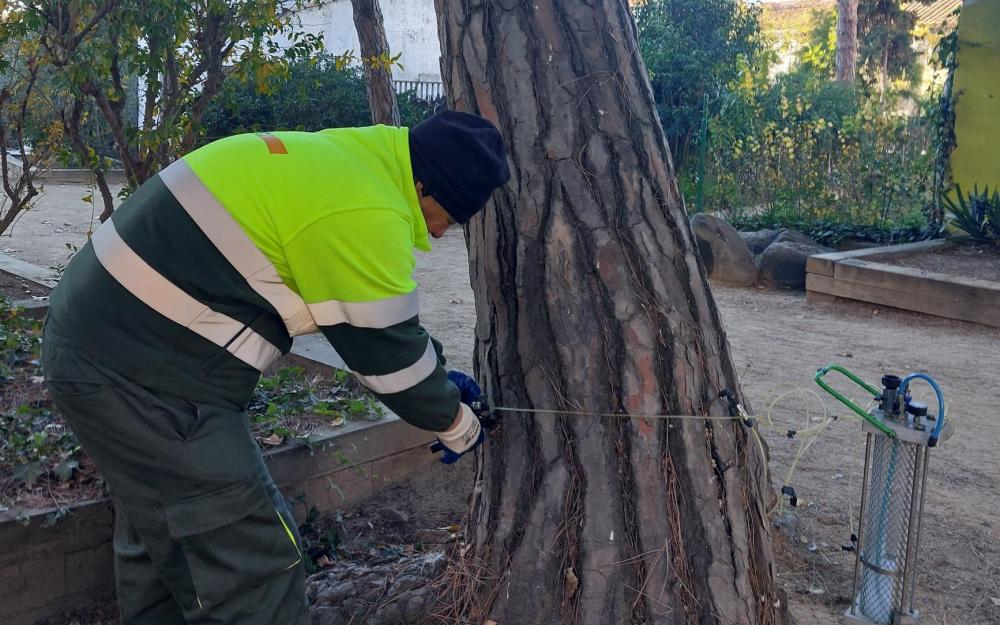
(378, 78)
(23, 190)
(23, 112)
(72, 126)
(214, 50)
(4, 164)
(132, 165)
(116, 72)
(94, 21)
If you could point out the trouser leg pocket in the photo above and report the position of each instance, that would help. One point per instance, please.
(231, 538)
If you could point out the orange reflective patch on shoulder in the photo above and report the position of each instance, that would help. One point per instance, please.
(274, 144)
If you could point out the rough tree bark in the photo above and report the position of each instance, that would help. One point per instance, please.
(378, 75)
(590, 298)
(847, 40)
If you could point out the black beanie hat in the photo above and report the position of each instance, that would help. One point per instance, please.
(460, 159)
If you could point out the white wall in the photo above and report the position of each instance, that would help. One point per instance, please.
(410, 27)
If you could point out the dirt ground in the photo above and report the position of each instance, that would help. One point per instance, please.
(15, 288)
(45, 234)
(778, 340)
(972, 261)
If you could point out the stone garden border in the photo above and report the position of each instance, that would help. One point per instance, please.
(81, 176)
(69, 175)
(32, 273)
(27, 271)
(858, 275)
(46, 571)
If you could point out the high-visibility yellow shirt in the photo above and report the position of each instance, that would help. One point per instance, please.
(226, 254)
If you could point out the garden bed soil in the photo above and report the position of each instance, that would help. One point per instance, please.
(296, 403)
(16, 288)
(969, 261)
(419, 515)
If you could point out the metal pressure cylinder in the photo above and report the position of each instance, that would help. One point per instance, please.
(887, 527)
(899, 438)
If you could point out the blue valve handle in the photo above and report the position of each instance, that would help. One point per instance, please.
(932, 440)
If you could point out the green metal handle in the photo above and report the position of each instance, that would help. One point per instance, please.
(850, 404)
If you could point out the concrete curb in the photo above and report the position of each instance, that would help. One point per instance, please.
(29, 272)
(70, 176)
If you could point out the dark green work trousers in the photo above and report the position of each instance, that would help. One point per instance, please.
(202, 534)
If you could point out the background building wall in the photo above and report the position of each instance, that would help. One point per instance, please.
(976, 159)
(410, 27)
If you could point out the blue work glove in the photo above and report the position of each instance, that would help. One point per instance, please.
(461, 438)
(466, 385)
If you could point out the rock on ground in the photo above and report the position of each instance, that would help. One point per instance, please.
(723, 252)
(758, 240)
(794, 236)
(783, 263)
(391, 591)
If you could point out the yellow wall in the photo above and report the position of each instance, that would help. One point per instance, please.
(976, 159)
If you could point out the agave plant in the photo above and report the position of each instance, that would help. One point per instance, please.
(977, 215)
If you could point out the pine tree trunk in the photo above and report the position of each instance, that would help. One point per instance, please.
(378, 76)
(590, 297)
(847, 40)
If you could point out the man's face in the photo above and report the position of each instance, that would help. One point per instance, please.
(437, 218)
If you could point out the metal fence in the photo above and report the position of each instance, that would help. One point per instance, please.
(423, 90)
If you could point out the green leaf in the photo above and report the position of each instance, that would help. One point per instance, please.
(64, 469)
(325, 409)
(976, 214)
(29, 473)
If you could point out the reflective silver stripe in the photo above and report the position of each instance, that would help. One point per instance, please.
(229, 238)
(253, 349)
(133, 273)
(403, 379)
(378, 314)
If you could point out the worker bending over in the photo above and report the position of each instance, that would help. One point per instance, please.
(162, 324)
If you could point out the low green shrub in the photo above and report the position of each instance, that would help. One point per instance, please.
(314, 94)
(692, 48)
(38, 453)
(813, 151)
(832, 234)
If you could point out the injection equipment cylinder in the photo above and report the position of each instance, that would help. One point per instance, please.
(898, 441)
